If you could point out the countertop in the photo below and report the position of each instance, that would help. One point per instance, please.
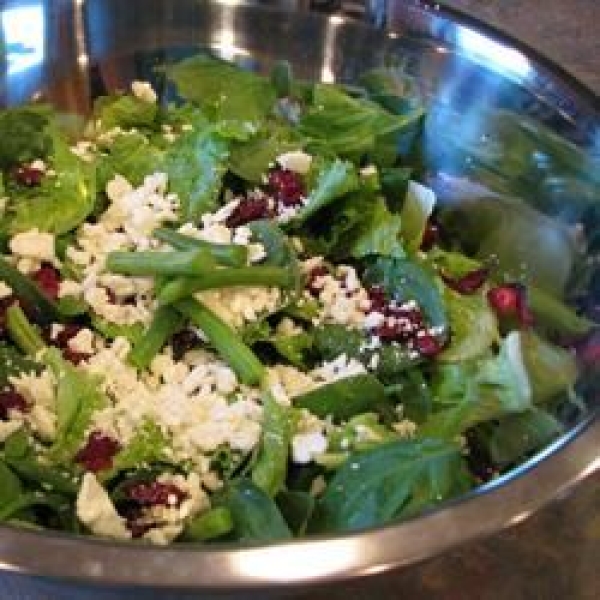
(565, 31)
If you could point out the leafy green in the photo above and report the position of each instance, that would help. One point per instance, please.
(392, 481)
(256, 517)
(348, 126)
(469, 393)
(297, 508)
(416, 210)
(125, 111)
(473, 325)
(78, 396)
(211, 524)
(228, 95)
(23, 134)
(332, 180)
(405, 280)
(344, 398)
(196, 164)
(13, 363)
(515, 436)
(61, 202)
(11, 488)
(551, 369)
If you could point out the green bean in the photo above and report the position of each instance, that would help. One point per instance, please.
(234, 352)
(185, 262)
(270, 469)
(229, 255)
(165, 323)
(220, 278)
(42, 309)
(22, 332)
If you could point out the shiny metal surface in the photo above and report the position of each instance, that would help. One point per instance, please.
(84, 47)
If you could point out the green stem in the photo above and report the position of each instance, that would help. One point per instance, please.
(185, 262)
(165, 323)
(22, 332)
(234, 352)
(221, 278)
(229, 255)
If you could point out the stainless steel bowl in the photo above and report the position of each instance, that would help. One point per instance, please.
(75, 49)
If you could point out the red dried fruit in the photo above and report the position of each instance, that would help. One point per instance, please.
(98, 452)
(286, 186)
(313, 276)
(510, 300)
(155, 493)
(28, 176)
(248, 210)
(377, 299)
(469, 283)
(588, 350)
(48, 279)
(61, 340)
(431, 236)
(137, 529)
(427, 345)
(12, 400)
(401, 324)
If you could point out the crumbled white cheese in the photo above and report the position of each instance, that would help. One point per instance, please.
(34, 244)
(97, 512)
(406, 428)
(296, 160)
(144, 91)
(82, 342)
(7, 428)
(339, 368)
(306, 445)
(5, 290)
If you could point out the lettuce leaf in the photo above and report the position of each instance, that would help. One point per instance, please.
(125, 111)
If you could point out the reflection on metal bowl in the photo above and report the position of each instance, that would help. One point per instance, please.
(68, 52)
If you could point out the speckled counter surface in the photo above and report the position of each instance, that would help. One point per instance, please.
(564, 30)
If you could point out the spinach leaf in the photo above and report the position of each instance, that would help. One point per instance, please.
(404, 280)
(416, 210)
(332, 180)
(344, 398)
(11, 488)
(256, 517)
(226, 93)
(125, 111)
(196, 164)
(330, 341)
(516, 436)
(297, 508)
(392, 481)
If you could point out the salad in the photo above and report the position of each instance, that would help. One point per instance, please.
(237, 313)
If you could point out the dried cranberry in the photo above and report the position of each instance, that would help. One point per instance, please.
(65, 335)
(98, 452)
(427, 345)
(11, 400)
(431, 236)
(183, 342)
(588, 350)
(312, 278)
(75, 357)
(155, 493)
(137, 529)
(377, 299)
(48, 279)
(469, 283)
(28, 176)
(248, 210)
(510, 300)
(286, 186)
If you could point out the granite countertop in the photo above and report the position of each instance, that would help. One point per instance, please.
(566, 31)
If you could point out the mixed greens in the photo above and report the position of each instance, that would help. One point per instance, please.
(243, 315)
